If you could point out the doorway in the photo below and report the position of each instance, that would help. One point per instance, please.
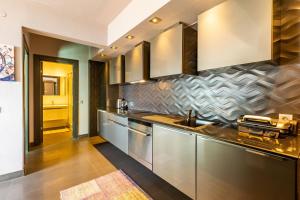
(55, 99)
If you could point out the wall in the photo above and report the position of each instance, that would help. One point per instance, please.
(23, 13)
(223, 94)
(58, 48)
(11, 142)
(226, 93)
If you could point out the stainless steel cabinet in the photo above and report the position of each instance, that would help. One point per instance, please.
(137, 63)
(119, 135)
(174, 158)
(174, 52)
(231, 172)
(235, 32)
(104, 124)
(116, 70)
(114, 129)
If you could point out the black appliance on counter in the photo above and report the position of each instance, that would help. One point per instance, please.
(266, 126)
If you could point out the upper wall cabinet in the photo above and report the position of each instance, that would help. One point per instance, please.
(116, 70)
(137, 63)
(174, 52)
(235, 32)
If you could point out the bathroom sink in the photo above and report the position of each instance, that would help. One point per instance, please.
(194, 123)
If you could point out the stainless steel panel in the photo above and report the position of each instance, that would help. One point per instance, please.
(119, 119)
(174, 158)
(147, 128)
(231, 172)
(140, 147)
(115, 72)
(166, 52)
(119, 136)
(104, 124)
(134, 64)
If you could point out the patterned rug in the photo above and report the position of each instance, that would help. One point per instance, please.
(114, 186)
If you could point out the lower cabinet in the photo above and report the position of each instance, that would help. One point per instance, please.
(119, 135)
(114, 129)
(104, 125)
(231, 172)
(174, 153)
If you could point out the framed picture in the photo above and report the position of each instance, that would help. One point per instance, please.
(7, 63)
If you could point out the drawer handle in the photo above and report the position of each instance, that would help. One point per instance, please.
(266, 155)
(117, 123)
(139, 132)
(256, 152)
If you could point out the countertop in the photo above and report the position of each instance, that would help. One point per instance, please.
(288, 146)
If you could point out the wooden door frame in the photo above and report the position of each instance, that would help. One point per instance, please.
(94, 101)
(26, 133)
(38, 98)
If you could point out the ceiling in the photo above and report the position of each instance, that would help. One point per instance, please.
(97, 12)
(173, 12)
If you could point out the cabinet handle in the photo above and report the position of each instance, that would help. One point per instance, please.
(279, 158)
(117, 123)
(139, 132)
(256, 152)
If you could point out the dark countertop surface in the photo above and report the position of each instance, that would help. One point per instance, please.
(288, 146)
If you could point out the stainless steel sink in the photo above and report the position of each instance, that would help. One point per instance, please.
(194, 123)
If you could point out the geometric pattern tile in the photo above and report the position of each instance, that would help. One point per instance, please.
(222, 94)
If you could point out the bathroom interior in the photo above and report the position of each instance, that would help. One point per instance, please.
(57, 98)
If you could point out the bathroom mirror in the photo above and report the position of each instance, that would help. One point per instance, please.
(51, 85)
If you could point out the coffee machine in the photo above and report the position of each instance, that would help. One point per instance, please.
(122, 104)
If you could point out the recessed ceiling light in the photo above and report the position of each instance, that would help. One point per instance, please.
(130, 37)
(155, 20)
(102, 55)
(114, 47)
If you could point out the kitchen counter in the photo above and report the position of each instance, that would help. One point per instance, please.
(288, 146)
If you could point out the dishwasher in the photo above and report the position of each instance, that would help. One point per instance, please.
(140, 141)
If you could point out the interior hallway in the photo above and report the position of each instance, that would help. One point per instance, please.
(56, 166)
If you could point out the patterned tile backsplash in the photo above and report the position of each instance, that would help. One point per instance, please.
(222, 94)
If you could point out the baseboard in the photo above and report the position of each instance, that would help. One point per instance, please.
(12, 175)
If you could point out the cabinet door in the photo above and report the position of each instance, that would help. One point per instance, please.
(116, 66)
(104, 125)
(174, 158)
(119, 136)
(231, 172)
(166, 53)
(235, 32)
(134, 64)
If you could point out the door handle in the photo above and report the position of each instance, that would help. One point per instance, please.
(139, 132)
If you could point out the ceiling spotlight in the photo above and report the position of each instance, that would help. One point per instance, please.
(130, 37)
(102, 55)
(155, 20)
(114, 47)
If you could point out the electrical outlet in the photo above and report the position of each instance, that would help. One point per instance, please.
(285, 117)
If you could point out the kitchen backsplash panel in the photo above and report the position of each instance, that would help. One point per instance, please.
(222, 94)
